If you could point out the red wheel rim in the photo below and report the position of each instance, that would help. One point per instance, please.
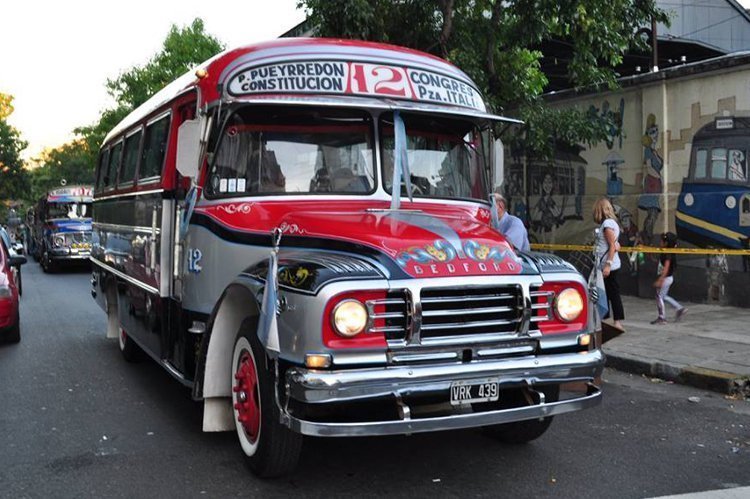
(246, 392)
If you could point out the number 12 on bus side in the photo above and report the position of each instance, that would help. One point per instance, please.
(473, 391)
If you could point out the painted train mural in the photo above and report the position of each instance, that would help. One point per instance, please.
(714, 203)
(675, 159)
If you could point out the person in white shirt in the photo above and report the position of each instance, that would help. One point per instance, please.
(510, 226)
(607, 258)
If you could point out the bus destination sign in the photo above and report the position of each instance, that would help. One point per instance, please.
(341, 77)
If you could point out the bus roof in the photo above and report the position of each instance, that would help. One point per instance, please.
(311, 69)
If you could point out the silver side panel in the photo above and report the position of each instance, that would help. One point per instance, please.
(220, 263)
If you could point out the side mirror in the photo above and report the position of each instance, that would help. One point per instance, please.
(189, 148)
(16, 260)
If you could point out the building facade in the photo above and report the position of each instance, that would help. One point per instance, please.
(675, 160)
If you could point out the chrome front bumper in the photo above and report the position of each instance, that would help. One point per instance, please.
(322, 387)
(65, 254)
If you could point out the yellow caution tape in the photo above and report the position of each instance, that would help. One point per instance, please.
(643, 249)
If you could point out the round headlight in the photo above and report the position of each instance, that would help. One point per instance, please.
(568, 304)
(59, 241)
(349, 318)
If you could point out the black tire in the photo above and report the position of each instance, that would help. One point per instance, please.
(521, 432)
(14, 333)
(131, 352)
(274, 450)
(46, 262)
(20, 282)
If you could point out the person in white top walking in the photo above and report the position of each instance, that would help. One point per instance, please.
(510, 226)
(607, 258)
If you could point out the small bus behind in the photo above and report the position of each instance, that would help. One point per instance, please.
(61, 229)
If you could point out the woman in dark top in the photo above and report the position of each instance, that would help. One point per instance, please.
(667, 264)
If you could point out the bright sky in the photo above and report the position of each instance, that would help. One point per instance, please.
(55, 56)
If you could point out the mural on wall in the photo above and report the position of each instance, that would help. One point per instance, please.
(555, 191)
(713, 208)
(649, 200)
(701, 190)
(614, 182)
(549, 194)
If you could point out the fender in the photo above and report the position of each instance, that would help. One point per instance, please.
(307, 271)
(303, 272)
(239, 301)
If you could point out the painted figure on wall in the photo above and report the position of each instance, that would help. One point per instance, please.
(652, 181)
(614, 182)
(546, 210)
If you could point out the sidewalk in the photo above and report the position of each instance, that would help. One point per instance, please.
(709, 348)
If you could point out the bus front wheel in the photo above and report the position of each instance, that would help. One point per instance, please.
(271, 449)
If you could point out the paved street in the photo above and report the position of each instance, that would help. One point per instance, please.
(77, 421)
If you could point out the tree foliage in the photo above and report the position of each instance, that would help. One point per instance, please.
(183, 48)
(14, 180)
(500, 44)
(69, 162)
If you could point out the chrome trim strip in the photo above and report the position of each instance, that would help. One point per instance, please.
(126, 228)
(386, 329)
(353, 359)
(470, 339)
(128, 194)
(79, 256)
(126, 277)
(388, 315)
(442, 299)
(175, 373)
(547, 343)
(505, 351)
(468, 324)
(156, 118)
(457, 311)
(406, 357)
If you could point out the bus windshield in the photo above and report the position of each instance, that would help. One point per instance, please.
(293, 151)
(446, 156)
(68, 210)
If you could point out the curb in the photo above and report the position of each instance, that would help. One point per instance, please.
(698, 377)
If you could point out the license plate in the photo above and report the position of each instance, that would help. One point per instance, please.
(473, 391)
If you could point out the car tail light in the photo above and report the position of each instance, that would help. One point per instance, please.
(561, 300)
(345, 334)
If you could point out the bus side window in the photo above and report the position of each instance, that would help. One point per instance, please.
(701, 158)
(719, 163)
(154, 147)
(110, 179)
(101, 168)
(130, 158)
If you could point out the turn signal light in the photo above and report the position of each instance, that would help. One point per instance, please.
(318, 360)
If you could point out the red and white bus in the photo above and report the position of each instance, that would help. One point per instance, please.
(248, 238)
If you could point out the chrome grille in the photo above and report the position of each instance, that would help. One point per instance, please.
(389, 315)
(541, 306)
(452, 314)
